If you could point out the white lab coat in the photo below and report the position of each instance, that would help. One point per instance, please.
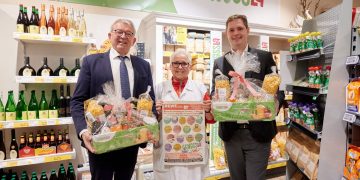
(193, 91)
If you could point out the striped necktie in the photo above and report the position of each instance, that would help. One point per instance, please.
(124, 79)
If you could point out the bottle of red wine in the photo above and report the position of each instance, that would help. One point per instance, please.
(2, 147)
(45, 70)
(61, 70)
(62, 102)
(14, 149)
(27, 70)
(76, 70)
(68, 98)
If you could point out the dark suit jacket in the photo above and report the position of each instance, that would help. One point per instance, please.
(95, 71)
(262, 131)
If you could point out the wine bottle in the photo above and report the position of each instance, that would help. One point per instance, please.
(60, 138)
(20, 20)
(61, 70)
(31, 142)
(71, 175)
(71, 24)
(2, 109)
(52, 139)
(27, 70)
(45, 142)
(43, 22)
(51, 22)
(38, 143)
(62, 102)
(68, 99)
(2, 147)
(82, 26)
(76, 70)
(57, 22)
(26, 21)
(62, 175)
(33, 108)
(14, 150)
(63, 23)
(53, 106)
(37, 18)
(45, 70)
(33, 24)
(53, 175)
(43, 176)
(43, 107)
(24, 175)
(61, 168)
(34, 176)
(67, 138)
(10, 108)
(22, 141)
(21, 107)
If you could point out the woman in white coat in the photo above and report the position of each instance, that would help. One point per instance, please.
(180, 88)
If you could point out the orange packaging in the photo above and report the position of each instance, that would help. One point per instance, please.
(352, 96)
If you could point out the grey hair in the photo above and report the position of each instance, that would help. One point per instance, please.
(123, 21)
(181, 51)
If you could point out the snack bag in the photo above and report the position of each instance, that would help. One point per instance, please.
(271, 83)
(145, 103)
(222, 86)
(352, 96)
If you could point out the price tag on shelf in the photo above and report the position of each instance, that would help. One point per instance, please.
(51, 122)
(349, 117)
(77, 39)
(59, 80)
(352, 60)
(11, 163)
(39, 79)
(57, 158)
(21, 124)
(9, 124)
(38, 160)
(25, 36)
(23, 162)
(42, 123)
(33, 123)
(276, 165)
(56, 38)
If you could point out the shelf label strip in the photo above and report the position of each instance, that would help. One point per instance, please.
(352, 60)
(349, 117)
(57, 158)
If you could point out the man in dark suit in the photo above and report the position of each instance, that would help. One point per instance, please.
(131, 76)
(247, 144)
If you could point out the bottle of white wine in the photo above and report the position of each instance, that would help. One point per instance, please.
(61, 70)
(45, 70)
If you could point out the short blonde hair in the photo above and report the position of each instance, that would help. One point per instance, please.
(181, 51)
(124, 21)
(237, 16)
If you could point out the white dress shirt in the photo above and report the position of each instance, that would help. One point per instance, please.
(115, 68)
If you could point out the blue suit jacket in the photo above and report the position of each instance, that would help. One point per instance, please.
(95, 71)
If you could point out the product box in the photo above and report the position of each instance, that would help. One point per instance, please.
(244, 111)
(116, 140)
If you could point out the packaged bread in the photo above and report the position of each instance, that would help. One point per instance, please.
(312, 164)
(271, 83)
(303, 158)
(294, 153)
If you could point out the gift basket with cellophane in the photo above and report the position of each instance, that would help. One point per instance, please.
(239, 99)
(116, 123)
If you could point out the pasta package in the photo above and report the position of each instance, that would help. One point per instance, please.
(271, 83)
(145, 103)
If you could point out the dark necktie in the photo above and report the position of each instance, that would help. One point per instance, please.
(124, 79)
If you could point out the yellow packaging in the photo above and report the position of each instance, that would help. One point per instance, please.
(271, 83)
(222, 88)
(352, 96)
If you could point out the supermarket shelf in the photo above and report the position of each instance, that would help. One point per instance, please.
(308, 55)
(49, 79)
(301, 170)
(276, 164)
(37, 159)
(305, 90)
(193, 55)
(352, 117)
(35, 123)
(52, 39)
(309, 132)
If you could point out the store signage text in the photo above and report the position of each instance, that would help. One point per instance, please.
(245, 2)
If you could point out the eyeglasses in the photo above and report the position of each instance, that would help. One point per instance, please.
(177, 64)
(119, 32)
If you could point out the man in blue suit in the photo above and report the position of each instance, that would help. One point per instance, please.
(131, 76)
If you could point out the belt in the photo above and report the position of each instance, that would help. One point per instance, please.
(243, 126)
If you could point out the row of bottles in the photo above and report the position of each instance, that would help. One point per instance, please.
(65, 23)
(62, 174)
(45, 70)
(58, 107)
(43, 144)
(305, 114)
(319, 77)
(306, 42)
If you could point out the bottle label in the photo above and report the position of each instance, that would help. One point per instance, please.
(10, 116)
(20, 28)
(62, 72)
(2, 116)
(34, 29)
(77, 72)
(27, 72)
(31, 114)
(53, 114)
(13, 154)
(43, 30)
(45, 72)
(62, 31)
(50, 31)
(72, 32)
(24, 115)
(2, 155)
(44, 114)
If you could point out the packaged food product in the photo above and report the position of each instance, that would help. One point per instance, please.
(190, 45)
(145, 103)
(303, 158)
(198, 67)
(219, 158)
(294, 153)
(352, 96)
(271, 83)
(199, 45)
(222, 87)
